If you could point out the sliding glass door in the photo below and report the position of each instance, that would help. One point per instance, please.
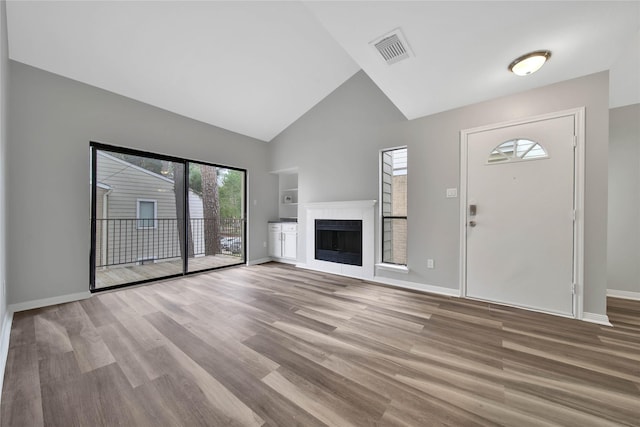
(155, 216)
(216, 215)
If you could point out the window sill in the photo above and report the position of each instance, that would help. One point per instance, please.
(393, 267)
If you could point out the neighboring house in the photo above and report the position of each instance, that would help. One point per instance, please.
(136, 214)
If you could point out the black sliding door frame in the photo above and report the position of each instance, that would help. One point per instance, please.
(95, 147)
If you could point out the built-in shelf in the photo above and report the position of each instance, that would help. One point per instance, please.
(288, 194)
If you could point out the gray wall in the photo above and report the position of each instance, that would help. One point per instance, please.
(52, 121)
(335, 146)
(624, 199)
(4, 63)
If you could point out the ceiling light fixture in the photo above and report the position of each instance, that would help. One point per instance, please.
(529, 63)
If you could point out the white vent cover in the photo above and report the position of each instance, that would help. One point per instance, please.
(393, 47)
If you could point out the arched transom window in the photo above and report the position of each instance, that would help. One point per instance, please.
(517, 150)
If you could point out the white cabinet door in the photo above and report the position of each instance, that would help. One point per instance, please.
(289, 245)
(275, 241)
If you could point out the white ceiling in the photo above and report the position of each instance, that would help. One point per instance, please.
(462, 49)
(256, 67)
(253, 68)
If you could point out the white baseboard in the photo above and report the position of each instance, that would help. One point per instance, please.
(600, 319)
(397, 283)
(259, 261)
(44, 302)
(417, 286)
(285, 261)
(623, 294)
(4, 343)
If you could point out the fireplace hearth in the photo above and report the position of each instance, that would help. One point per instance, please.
(338, 241)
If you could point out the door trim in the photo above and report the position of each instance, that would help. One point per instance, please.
(579, 179)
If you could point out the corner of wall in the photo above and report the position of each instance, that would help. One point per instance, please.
(5, 315)
(600, 319)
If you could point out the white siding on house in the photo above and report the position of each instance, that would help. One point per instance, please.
(126, 242)
(130, 183)
(196, 213)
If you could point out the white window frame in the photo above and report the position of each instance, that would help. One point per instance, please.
(380, 265)
(155, 214)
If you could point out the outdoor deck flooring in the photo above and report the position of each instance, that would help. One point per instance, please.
(273, 345)
(113, 276)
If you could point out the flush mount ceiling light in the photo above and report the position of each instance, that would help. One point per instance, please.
(529, 63)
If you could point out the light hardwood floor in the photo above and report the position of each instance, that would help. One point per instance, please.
(278, 346)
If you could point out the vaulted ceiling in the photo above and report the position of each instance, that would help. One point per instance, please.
(256, 67)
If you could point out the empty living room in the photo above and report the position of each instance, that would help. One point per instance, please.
(319, 213)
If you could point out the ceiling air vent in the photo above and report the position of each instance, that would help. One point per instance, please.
(393, 47)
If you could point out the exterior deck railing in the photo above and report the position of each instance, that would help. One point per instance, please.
(121, 241)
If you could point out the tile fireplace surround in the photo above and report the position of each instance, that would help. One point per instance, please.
(350, 210)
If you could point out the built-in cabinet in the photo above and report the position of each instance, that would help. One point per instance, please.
(283, 232)
(283, 241)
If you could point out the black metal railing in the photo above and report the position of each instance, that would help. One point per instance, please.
(122, 241)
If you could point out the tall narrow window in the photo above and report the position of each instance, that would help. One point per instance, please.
(394, 206)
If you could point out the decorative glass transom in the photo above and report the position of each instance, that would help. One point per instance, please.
(516, 150)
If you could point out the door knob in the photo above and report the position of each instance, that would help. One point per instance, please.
(472, 223)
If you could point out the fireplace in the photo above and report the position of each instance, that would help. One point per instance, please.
(362, 212)
(339, 241)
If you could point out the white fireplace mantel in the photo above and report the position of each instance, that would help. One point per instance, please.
(347, 210)
(357, 204)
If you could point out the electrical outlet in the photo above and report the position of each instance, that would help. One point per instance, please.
(430, 263)
(264, 244)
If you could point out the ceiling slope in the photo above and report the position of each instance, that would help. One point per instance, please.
(250, 67)
(462, 49)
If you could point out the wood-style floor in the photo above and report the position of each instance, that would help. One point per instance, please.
(278, 346)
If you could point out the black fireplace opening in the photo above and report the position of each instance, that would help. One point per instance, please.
(339, 241)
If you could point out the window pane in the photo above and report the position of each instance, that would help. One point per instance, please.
(216, 216)
(394, 182)
(138, 218)
(146, 214)
(535, 153)
(394, 241)
(517, 150)
(524, 145)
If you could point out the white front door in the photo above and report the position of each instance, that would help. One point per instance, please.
(520, 214)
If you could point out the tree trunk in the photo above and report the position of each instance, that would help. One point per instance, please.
(178, 190)
(211, 207)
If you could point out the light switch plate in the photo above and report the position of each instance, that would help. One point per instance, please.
(452, 193)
